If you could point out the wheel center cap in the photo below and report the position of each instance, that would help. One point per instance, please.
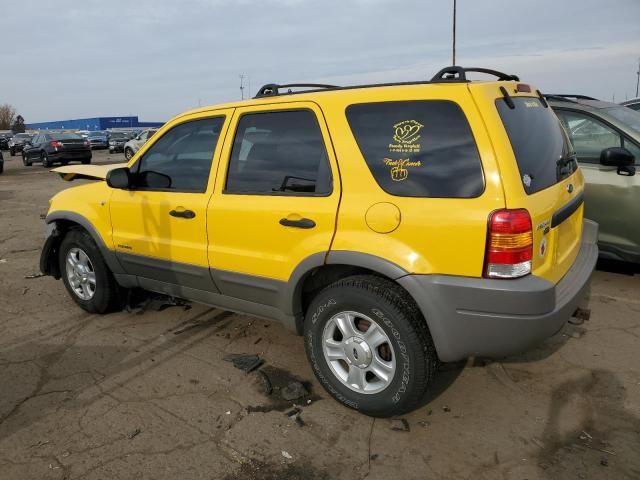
(357, 352)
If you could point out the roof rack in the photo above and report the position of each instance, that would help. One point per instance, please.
(446, 75)
(455, 73)
(271, 89)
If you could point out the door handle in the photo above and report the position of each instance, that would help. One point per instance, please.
(183, 213)
(302, 223)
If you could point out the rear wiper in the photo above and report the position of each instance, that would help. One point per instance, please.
(564, 161)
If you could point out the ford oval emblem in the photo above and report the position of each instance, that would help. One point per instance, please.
(570, 188)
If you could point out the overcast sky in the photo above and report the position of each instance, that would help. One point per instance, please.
(156, 58)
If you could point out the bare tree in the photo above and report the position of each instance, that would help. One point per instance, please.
(7, 116)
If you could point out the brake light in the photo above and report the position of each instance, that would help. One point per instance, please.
(509, 244)
(56, 144)
(87, 143)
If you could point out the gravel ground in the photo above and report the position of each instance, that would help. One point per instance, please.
(147, 394)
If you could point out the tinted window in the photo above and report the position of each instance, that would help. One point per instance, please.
(418, 148)
(181, 158)
(539, 143)
(625, 115)
(279, 152)
(588, 135)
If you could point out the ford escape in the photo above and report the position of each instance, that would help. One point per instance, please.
(393, 226)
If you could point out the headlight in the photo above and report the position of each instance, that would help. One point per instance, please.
(111, 142)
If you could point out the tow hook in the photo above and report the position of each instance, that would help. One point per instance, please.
(580, 316)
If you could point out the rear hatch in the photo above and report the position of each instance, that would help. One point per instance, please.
(73, 144)
(539, 172)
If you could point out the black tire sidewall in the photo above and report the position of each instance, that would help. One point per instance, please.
(399, 394)
(103, 297)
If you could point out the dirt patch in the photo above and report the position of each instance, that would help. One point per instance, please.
(257, 470)
(271, 381)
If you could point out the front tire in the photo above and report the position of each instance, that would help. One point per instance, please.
(369, 345)
(85, 274)
(12, 152)
(25, 162)
(128, 153)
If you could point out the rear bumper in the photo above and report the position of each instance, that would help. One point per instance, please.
(495, 318)
(70, 154)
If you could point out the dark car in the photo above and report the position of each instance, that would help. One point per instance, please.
(1, 162)
(4, 140)
(117, 141)
(98, 139)
(56, 147)
(17, 142)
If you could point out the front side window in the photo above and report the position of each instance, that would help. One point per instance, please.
(588, 135)
(181, 159)
(543, 152)
(279, 153)
(418, 148)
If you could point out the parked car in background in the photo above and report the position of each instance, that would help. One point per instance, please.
(4, 140)
(1, 162)
(17, 142)
(117, 141)
(56, 147)
(632, 104)
(606, 139)
(133, 145)
(83, 133)
(98, 139)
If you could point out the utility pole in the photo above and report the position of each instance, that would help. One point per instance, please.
(638, 78)
(242, 85)
(454, 32)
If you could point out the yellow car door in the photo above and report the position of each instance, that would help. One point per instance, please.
(159, 224)
(275, 200)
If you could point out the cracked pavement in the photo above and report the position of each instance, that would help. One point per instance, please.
(148, 395)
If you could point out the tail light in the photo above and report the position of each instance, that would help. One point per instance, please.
(56, 144)
(87, 143)
(509, 244)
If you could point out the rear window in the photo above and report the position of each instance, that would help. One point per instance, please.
(65, 136)
(418, 148)
(540, 145)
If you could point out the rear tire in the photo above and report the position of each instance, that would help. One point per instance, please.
(46, 162)
(381, 372)
(85, 274)
(86, 161)
(12, 152)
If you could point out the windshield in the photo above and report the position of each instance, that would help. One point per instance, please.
(118, 135)
(96, 134)
(539, 143)
(23, 135)
(626, 115)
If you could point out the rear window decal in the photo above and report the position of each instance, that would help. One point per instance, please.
(406, 134)
(399, 171)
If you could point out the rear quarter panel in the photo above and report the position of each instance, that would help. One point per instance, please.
(435, 235)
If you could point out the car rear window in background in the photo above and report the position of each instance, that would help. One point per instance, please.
(539, 143)
(626, 115)
(418, 148)
(65, 136)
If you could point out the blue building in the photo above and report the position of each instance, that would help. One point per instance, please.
(95, 123)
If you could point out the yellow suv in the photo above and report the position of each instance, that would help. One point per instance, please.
(394, 226)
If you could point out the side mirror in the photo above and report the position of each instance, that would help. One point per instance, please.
(619, 157)
(119, 178)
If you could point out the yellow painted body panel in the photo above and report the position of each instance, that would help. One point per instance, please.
(90, 201)
(245, 234)
(435, 235)
(95, 172)
(141, 221)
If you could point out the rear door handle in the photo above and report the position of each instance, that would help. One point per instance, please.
(302, 223)
(183, 214)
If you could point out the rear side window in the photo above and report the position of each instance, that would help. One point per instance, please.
(540, 145)
(279, 153)
(418, 148)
